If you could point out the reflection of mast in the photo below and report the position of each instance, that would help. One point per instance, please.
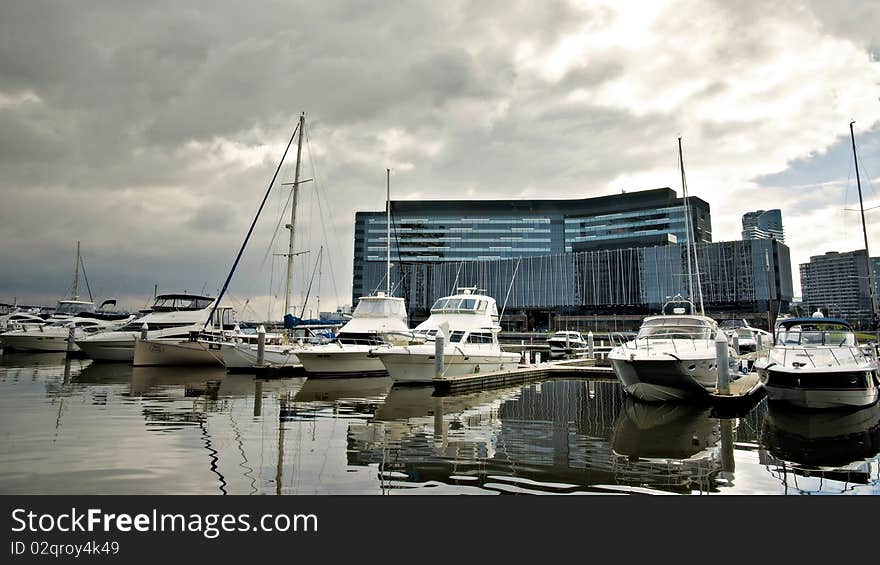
(282, 401)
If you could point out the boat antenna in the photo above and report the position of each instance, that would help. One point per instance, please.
(871, 282)
(290, 226)
(388, 231)
(455, 284)
(251, 230)
(691, 236)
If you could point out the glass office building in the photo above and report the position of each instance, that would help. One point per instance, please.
(464, 231)
(763, 224)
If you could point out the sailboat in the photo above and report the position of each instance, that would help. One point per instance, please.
(53, 333)
(377, 321)
(242, 355)
(816, 362)
(673, 356)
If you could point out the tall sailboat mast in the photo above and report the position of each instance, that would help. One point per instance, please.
(691, 237)
(76, 275)
(290, 226)
(872, 288)
(388, 232)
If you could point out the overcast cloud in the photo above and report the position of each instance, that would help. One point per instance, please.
(149, 130)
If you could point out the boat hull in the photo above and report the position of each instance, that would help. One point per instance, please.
(350, 361)
(658, 380)
(34, 341)
(159, 353)
(419, 368)
(242, 357)
(114, 350)
(820, 390)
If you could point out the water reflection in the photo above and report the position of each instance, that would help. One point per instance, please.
(822, 452)
(674, 446)
(73, 426)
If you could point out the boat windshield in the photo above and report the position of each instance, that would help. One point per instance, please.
(370, 308)
(675, 328)
(74, 307)
(173, 303)
(816, 335)
(456, 305)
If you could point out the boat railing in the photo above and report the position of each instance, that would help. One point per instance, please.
(815, 357)
(679, 341)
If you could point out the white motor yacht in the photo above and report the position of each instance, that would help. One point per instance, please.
(54, 336)
(470, 324)
(817, 363)
(172, 318)
(673, 356)
(281, 351)
(566, 343)
(377, 321)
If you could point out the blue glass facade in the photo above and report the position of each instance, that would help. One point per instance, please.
(486, 230)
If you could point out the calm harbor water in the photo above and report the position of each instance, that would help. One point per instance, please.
(83, 427)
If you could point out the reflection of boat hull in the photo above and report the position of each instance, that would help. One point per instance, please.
(829, 439)
(346, 361)
(353, 388)
(666, 431)
(414, 367)
(820, 389)
(158, 353)
(243, 356)
(655, 380)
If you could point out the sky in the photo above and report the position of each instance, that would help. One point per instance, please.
(149, 131)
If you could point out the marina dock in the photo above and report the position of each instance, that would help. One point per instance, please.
(523, 374)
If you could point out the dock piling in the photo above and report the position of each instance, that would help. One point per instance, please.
(591, 345)
(722, 364)
(439, 369)
(70, 331)
(261, 345)
(144, 330)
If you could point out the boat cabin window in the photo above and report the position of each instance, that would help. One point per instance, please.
(458, 305)
(478, 337)
(173, 303)
(352, 338)
(675, 328)
(368, 308)
(455, 337)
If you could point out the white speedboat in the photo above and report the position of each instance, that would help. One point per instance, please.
(172, 318)
(470, 324)
(747, 336)
(16, 319)
(377, 321)
(53, 336)
(566, 343)
(673, 356)
(817, 363)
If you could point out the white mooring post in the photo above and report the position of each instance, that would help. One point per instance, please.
(70, 331)
(537, 357)
(734, 342)
(261, 345)
(144, 329)
(591, 345)
(759, 342)
(438, 355)
(722, 364)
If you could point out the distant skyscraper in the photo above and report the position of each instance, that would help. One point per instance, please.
(763, 224)
(837, 283)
